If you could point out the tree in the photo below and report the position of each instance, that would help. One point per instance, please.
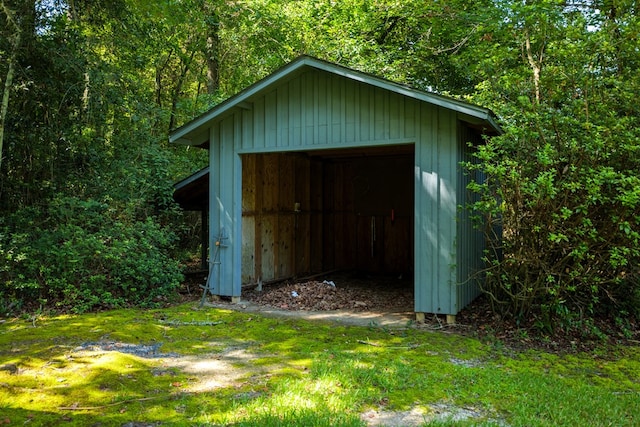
(11, 65)
(562, 181)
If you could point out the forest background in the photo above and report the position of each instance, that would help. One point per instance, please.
(91, 89)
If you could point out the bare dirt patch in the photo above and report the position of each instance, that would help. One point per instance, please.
(343, 293)
(208, 371)
(421, 415)
(343, 298)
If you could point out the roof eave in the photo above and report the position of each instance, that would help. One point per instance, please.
(181, 135)
(185, 134)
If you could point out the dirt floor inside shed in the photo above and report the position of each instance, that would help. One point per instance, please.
(337, 292)
(345, 297)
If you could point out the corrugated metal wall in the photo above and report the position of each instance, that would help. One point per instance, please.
(319, 110)
(470, 240)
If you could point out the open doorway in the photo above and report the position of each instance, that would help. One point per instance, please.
(343, 216)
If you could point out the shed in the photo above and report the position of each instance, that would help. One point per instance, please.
(320, 167)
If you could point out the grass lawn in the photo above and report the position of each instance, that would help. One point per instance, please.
(188, 366)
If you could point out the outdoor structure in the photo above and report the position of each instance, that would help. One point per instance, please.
(318, 167)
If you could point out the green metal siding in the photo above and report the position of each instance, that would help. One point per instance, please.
(318, 110)
(435, 212)
(470, 241)
(225, 210)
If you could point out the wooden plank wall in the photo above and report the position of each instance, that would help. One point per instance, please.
(306, 215)
(276, 216)
(369, 214)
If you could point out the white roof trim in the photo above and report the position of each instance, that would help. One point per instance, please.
(181, 135)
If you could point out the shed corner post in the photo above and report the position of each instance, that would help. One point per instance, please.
(225, 217)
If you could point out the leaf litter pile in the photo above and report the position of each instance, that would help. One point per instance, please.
(343, 294)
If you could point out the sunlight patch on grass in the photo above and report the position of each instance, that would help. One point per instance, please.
(250, 370)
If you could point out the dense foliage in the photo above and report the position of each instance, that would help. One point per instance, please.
(91, 89)
(81, 255)
(563, 183)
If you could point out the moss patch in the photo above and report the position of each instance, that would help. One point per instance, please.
(186, 365)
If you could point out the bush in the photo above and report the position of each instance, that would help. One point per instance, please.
(79, 255)
(566, 195)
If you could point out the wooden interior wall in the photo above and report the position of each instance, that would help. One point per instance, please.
(369, 214)
(278, 212)
(306, 214)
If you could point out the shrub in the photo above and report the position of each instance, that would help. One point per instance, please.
(566, 194)
(80, 255)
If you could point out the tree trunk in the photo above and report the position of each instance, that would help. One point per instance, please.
(536, 66)
(186, 66)
(212, 50)
(8, 82)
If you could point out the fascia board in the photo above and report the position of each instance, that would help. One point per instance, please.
(441, 101)
(180, 135)
(239, 99)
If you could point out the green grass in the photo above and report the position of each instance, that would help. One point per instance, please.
(283, 372)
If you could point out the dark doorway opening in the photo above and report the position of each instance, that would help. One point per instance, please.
(324, 214)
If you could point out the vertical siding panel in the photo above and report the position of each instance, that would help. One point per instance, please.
(410, 120)
(237, 131)
(350, 115)
(470, 240)
(427, 233)
(247, 129)
(337, 109)
(322, 109)
(308, 108)
(225, 207)
(295, 109)
(226, 176)
(271, 122)
(259, 130)
(282, 116)
(462, 247)
(429, 114)
(380, 110)
(395, 116)
(419, 248)
(316, 96)
(448, 210)
(234, 221)
(364, 125)
(356, 111)
(214, 208)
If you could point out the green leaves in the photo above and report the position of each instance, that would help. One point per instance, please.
(566, 168)
(82, 255)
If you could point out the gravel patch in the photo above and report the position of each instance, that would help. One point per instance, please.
(141, 350)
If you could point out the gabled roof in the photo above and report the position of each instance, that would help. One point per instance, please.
(189, 132)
